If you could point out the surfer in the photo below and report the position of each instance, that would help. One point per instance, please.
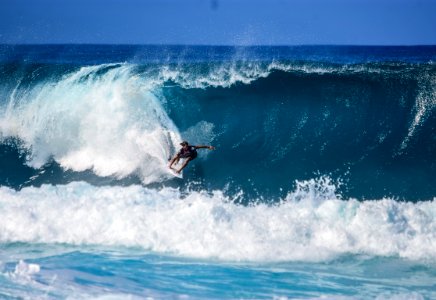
(189, 152)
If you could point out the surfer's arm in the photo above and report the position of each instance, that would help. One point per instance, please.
(205, 147)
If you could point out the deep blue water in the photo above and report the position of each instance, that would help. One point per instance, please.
(322, 183)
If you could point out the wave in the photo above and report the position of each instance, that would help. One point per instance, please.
(99, 118)
(370, 124)
(310, 223)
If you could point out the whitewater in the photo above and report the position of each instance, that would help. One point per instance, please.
(322, 184)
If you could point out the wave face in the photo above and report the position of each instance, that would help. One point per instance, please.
(363, 116)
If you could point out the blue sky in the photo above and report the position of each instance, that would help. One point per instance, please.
(219, 22)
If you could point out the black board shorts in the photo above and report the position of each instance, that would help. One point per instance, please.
(192, 155)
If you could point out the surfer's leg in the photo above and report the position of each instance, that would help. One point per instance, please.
(184, 164)
(175, 160)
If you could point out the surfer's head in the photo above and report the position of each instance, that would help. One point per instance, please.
(184, 144)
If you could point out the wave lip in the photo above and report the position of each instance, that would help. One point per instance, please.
(310, 224)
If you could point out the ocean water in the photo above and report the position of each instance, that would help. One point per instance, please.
(322, 184)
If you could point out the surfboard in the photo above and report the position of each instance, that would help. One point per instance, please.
(174, 173)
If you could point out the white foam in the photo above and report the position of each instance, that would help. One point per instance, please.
(103, 118)
(228, 74)
(310, 224)
(224, 75)
(24, 271)
(245, 72)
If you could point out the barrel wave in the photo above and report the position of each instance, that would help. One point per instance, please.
(369, 125)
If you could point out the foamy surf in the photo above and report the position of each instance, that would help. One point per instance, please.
(310, 224)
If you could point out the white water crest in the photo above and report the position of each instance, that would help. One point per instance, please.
(24, 271)
(309, 224)
(243, 72)
(104, 118)
(425, 104)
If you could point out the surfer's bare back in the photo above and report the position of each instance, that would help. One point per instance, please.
(189, 152)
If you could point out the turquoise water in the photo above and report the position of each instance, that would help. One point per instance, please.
(130, 273)
(322, 185)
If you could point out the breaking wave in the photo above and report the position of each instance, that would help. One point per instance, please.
(310, 223)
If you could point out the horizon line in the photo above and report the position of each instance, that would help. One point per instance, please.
(216, 45)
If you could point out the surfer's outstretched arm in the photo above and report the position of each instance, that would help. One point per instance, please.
(205, 147)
